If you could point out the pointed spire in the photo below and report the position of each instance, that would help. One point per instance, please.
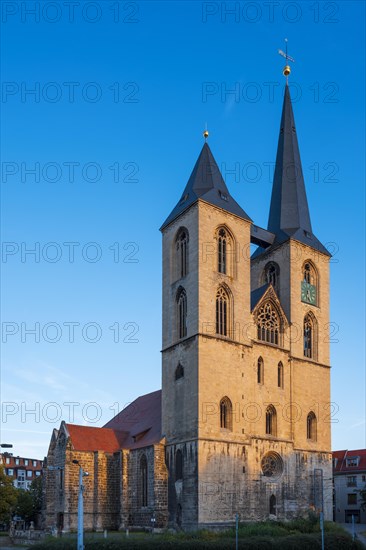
(206, 183)
(289, 212)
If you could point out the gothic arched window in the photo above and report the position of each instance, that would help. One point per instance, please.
(181, 248)
(260, 371)
(143, 481)
(280, 375)
(271, 274)
(225, 251)
(226, 413)
(309, 336)
(222, 312)
(268, 324)
(311, 426)
(222, 250)
(271, 420)
(178, 465)
(182, 313)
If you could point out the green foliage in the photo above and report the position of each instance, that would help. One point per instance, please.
(363, 498)
(29, 503)
(7, 496)
(36, 491)
(281, 538)
(24, 505)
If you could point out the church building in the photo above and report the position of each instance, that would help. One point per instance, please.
(242, 423)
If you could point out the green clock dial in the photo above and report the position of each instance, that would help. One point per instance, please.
(308, 293)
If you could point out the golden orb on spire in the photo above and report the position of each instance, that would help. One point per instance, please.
(205, 134)
(286, 70)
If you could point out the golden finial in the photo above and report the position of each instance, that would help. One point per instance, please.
(287, 69)
(205, 133)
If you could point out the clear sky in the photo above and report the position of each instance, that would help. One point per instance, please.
(112, 129)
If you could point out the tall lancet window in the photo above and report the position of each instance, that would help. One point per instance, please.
(181, 247)
(311, 426)
(280, 375)
(226, 414)
(309, 336)
(260, 371)
(271, 420)
(222, 312)
(222, 243)
(182, 313)
(143, 481)
(268, 324)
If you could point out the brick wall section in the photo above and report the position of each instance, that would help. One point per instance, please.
(160, 485)
(157, 487)
(124, 520)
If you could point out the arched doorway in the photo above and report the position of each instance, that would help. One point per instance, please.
(272, 505)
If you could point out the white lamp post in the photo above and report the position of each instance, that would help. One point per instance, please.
(80, 545)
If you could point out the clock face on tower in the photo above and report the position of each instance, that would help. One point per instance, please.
(308, 293)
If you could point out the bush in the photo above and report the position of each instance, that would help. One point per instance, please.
(252, 536)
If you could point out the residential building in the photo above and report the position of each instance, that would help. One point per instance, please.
(21, 470)
(349, 474)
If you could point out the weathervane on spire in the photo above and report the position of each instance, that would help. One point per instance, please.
(287, 69)
(205, 133)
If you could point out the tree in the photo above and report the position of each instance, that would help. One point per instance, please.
(36, 490)
(363, 498)
(24, 505)
(8, 496)
(29, 503)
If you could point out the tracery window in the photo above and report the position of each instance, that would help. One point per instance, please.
(311, 426)
(268, 324)
(222, 312)
(181, 247)
(272, 464)
(271, 420)
(226, 411)
(309, 337)
(143, 480)
(182, 313)
(260, 371)
(225, 251)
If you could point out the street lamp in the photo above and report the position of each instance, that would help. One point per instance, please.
(6, 445)
(80, 545)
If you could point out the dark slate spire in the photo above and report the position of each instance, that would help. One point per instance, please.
(206, 183)
(289, 213)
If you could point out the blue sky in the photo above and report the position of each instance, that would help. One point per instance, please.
(121, 95)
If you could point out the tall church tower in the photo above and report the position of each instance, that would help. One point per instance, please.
(245, 358)
(206, 303)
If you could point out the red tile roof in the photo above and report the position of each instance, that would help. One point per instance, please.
(342, 456)
(87, 438)
(138, 425)
(142, 419)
